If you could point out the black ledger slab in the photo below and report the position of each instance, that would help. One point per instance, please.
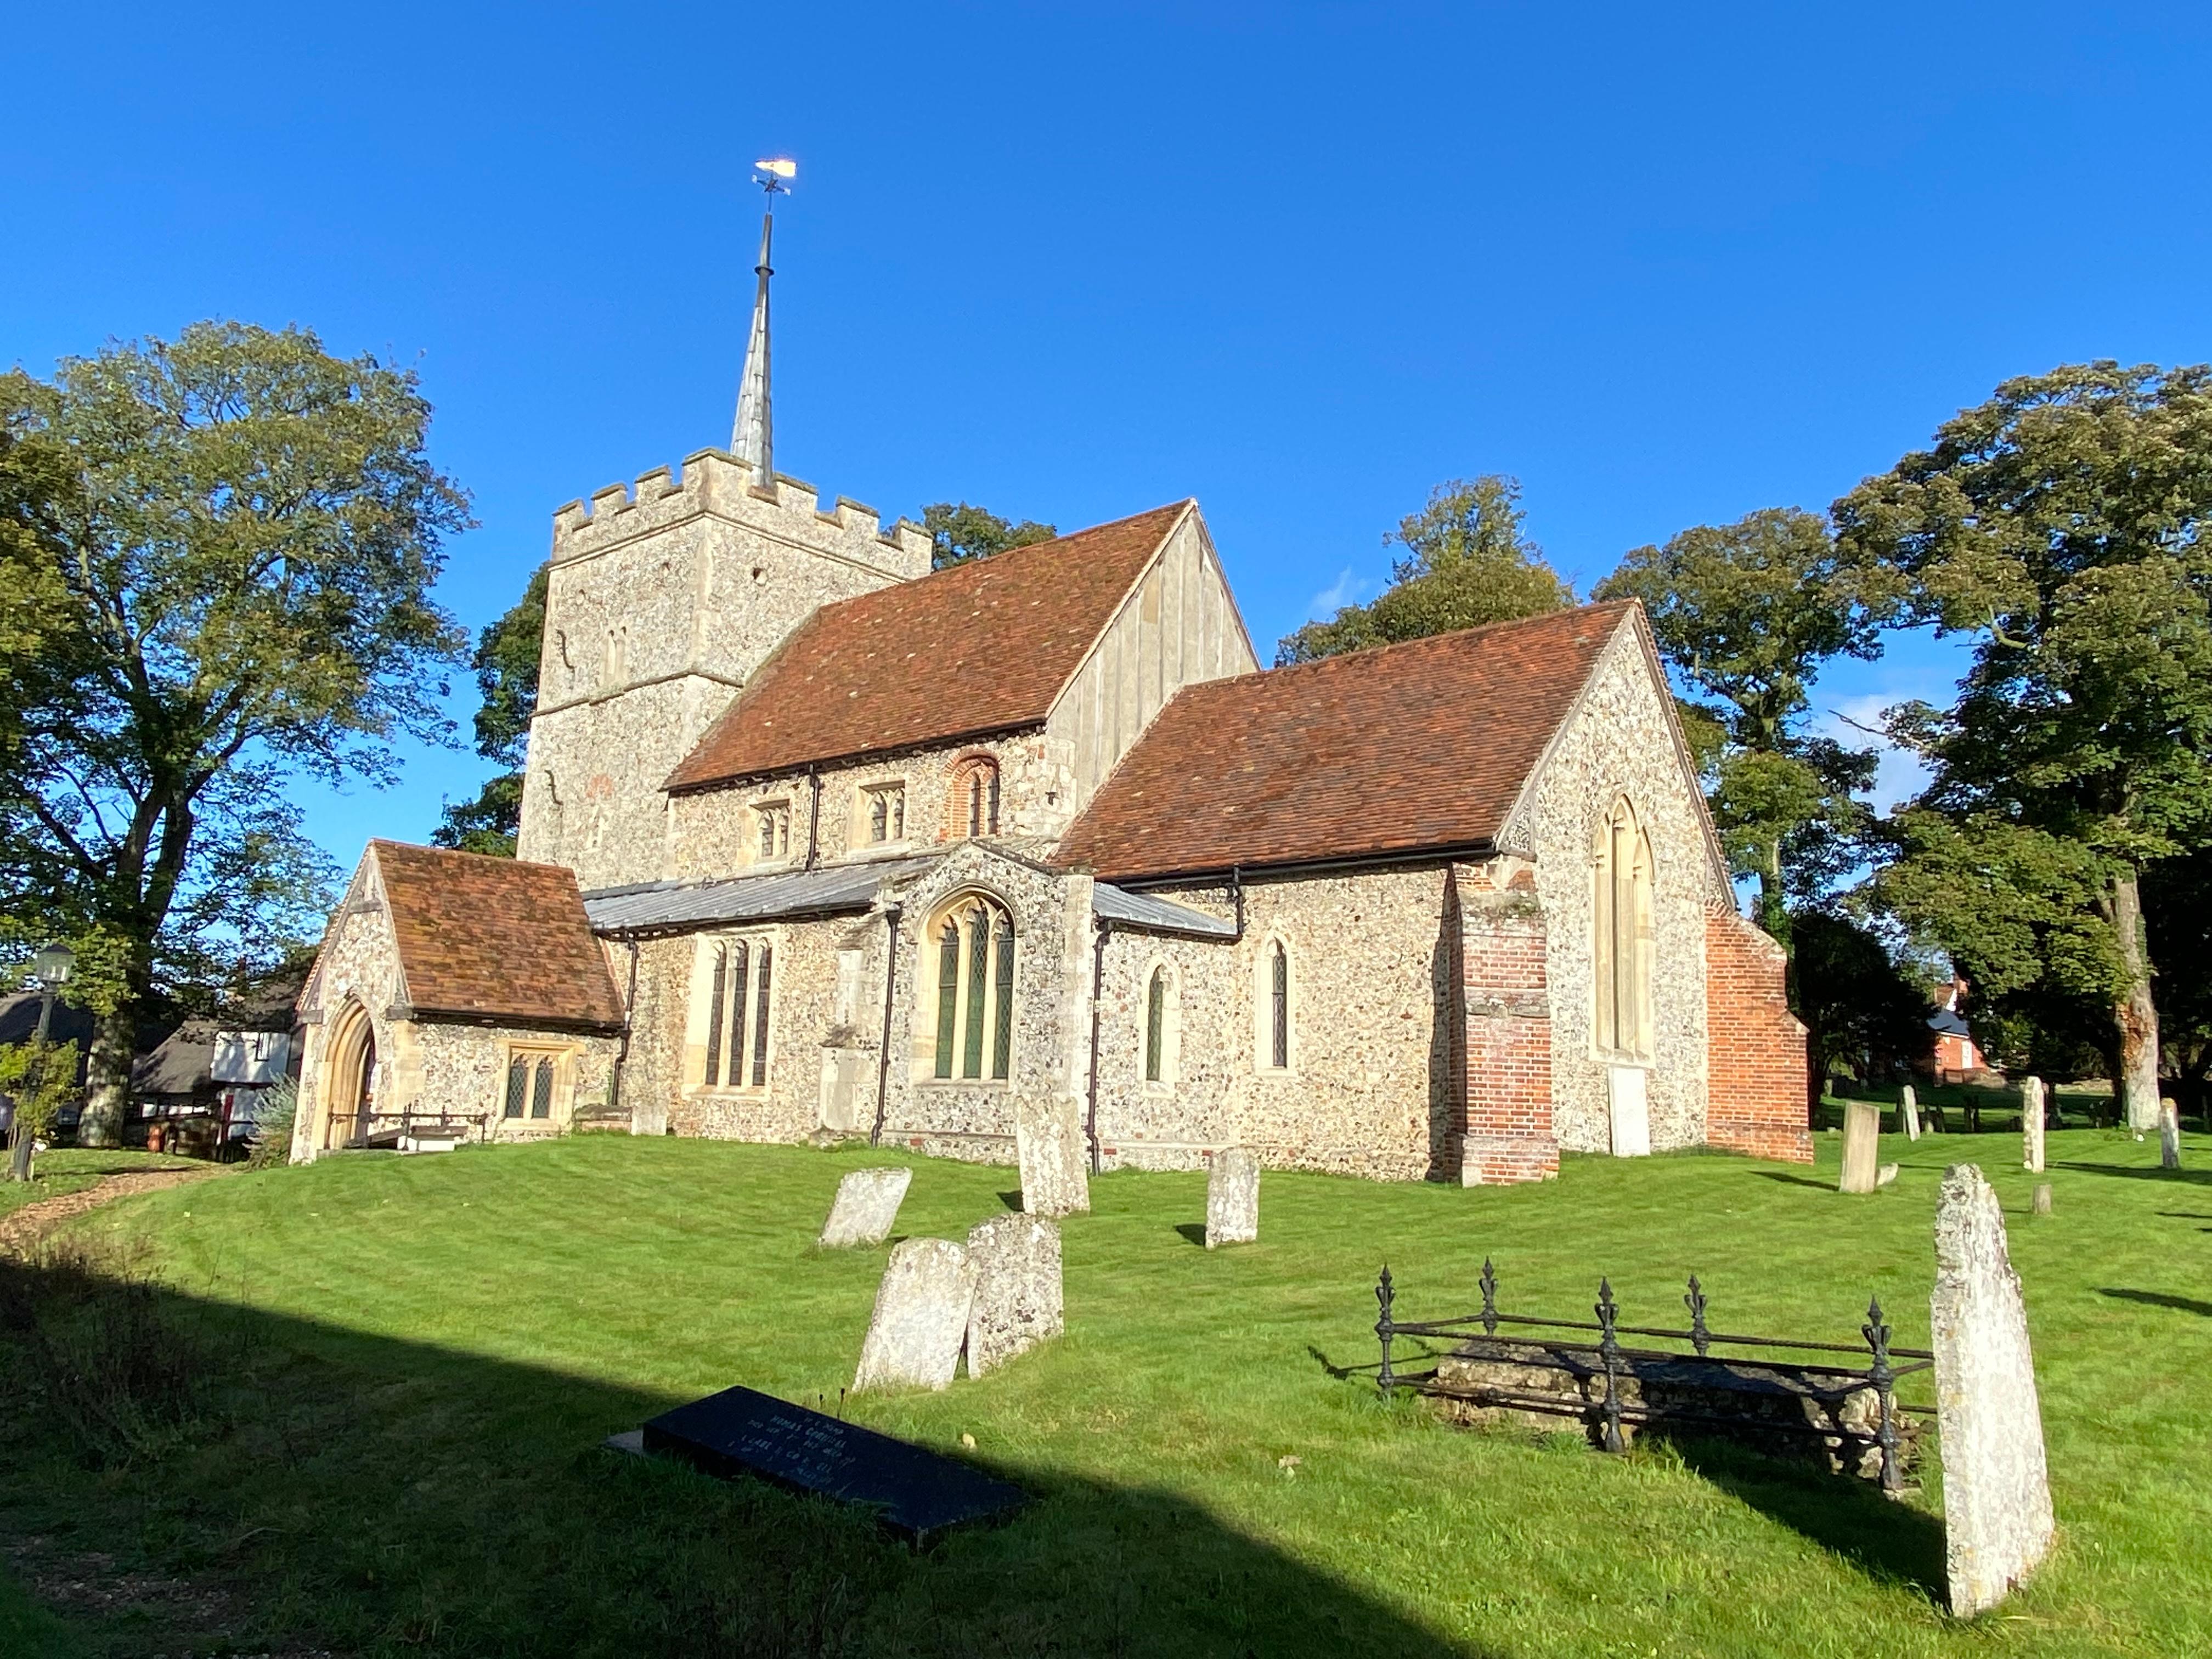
(915, 1493)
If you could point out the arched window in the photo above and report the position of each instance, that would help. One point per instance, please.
(1163, 1021)
(973, 939)
(1620, 860)
(740, 977)
(973, 804)
(1273, 999)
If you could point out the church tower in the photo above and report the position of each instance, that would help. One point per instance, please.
(661, 599)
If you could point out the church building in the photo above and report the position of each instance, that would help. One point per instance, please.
(818, 844)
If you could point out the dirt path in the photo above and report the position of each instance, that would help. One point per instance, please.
(24, 1225)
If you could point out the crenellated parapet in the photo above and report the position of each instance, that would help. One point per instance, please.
(713, 484)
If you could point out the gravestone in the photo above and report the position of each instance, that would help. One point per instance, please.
(1886, 1174)
(1910, 1109)
(1628, 1099)
(2169, 1135)
(1862, 1144)
(1018, 1289)
(2041, 1203)
(1996, 1491)
(2030, 1123)
(920, 1319)
(1055, 1173)
(867, 1204)
(1232, 1198)
(914, 1492)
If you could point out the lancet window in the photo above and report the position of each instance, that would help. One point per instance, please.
(973, 942)
(1621, 953)
(740, 981)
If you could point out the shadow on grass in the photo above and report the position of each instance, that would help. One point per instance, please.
(285, 1482)
(1795, 1180)
(2139, 1172)
(1012, 1201)
(1193, 1233)
(1849, 1518)
(2160, 1300)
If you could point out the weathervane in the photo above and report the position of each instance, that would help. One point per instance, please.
(752, 442)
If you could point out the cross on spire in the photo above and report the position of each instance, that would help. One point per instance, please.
(752, 440)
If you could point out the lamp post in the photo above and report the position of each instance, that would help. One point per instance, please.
(50, 969)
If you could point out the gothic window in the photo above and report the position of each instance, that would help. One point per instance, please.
(532, 1091)
(739, 974)
(1620, 861)
(974, 939)
(1278, 1008)
(773, 819)
(886, 807)
(975, 797)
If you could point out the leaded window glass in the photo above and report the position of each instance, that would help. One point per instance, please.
(740, 963)
(974, 991)
(541, 1090)
(760, 1019)
(948, 994)
(518, 1082)
(1156, 1012)
(713, 1019)
(1279, 1008)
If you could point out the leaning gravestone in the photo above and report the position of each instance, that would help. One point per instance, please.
(2169, 1135)
(1018, 1289)
(867, 1204)
(920, 1319)
(1910, 1109)
(1996, 1491)
(1861, 1145)
(2030, 1123)
(1049, 1141)
(1232, 1198)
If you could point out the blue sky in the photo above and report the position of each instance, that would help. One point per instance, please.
(1665, 265)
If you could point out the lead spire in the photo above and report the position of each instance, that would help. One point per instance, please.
(752, 440)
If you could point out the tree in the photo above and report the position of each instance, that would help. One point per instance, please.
(38, 1077)
(1746, 614)
(243, 550)
(1468, 560)
(957, 534)
(506, 663)
(1857, 1005)
(2063, 524)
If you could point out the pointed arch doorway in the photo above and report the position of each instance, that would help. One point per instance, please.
(350, 1086)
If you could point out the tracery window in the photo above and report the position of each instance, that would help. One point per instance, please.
(774, 818)
(974, 802)
(533, 1082)
(886, 805)
(740, 979)
(973, 942)
(1620, 875)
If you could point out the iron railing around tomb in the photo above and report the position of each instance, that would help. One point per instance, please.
(1582, 1368)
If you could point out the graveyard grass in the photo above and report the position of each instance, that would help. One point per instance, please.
(412, 1363)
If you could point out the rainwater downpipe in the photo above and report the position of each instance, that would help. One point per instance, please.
(1097, 999)
(814, 814)
(884, 1053)
(629, 1015)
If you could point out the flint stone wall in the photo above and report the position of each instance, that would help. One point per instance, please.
(1621, 741)
(661, 600)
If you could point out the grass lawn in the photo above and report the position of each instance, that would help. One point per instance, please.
(70, 1169)
(417, 1359)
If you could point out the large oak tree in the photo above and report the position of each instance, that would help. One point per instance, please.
(2063, 524)
(225, 581)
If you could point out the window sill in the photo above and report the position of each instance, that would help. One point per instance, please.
(933, 1081)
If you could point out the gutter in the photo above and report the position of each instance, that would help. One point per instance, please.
(1232, 874)
(814, 816)
(629, 1015)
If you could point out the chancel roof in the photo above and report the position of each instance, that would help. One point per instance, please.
(1401, 749)
(981, 647)
(493, 938)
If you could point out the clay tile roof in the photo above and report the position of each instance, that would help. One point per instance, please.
(494, 938)
(1405, 748)
(980, 647)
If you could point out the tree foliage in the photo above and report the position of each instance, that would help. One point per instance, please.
(2062, 524)
(1747, 614)
(1859, 1007)
(507, 668)
(233, 548)
(959, 533)
(1468, 560)
(39, 1079)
